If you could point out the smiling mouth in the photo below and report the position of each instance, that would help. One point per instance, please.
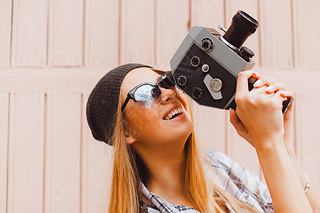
(174, 113)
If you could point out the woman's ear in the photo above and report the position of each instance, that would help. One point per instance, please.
(130, 139)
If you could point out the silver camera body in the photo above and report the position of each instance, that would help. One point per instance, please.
(206, 64)
(206, 68)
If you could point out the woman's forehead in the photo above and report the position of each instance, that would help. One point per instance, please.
(138, 76)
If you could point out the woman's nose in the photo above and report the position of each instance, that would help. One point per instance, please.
(167, 95)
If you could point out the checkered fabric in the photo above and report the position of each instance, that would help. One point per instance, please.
(230, 176)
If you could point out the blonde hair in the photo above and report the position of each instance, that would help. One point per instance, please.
(129, 171)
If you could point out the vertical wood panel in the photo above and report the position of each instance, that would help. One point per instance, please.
(4, 120)
(25, 189)
(102, 33)
(210, 127)
(97, 167)
(63, 146)
(306, 33)
(137, 31)
(171, 28)
(29, 37)
(207, 13)
(241, 151)
(276, 34)
(308, 146)
(5, 32)
(209, 123)
(250, 7)
(66, 33)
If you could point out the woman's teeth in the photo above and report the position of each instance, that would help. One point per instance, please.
(173, 113)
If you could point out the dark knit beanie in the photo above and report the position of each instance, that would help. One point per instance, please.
(103, 100)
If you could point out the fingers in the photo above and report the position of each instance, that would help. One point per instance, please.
(264, 81)
(289, 95)
(233, 117)
(278, 98)
(235, 121)
(242, 82)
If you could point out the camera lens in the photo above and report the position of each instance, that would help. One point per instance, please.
(242, 26)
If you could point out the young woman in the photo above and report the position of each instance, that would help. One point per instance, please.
(158, 166)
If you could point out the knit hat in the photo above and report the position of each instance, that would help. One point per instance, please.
(103, 101)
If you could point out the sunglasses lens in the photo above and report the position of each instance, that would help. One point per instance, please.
(146, 95)
(166, 83)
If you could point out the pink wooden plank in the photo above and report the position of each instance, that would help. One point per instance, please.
(4, 121)
(171, 28)
(29, 36)
(26, 145)
(276, 34)
(207, 13)
(5, 32)
(137, 31)
(101, 33)
(307, 133)
(210, 127)
(97, 167)
(66, 33)
(250, 7)
(306, 33)
(241, 151)
(62, 179)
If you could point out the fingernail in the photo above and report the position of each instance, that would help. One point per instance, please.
(269, 88)
(257, 83)
(255, 75)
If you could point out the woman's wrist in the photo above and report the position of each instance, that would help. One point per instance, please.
(292, 154)
(267, 144)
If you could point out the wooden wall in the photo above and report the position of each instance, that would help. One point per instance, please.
(53, 52)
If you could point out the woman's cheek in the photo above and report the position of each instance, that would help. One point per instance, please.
(139, 120)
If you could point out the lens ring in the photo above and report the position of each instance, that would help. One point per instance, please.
(242, 26)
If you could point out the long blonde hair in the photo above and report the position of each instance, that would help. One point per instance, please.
(129, 171)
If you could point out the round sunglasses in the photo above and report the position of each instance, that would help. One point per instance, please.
(146, 94)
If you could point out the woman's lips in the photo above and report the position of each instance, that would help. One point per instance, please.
(178, 117)
(171, 110)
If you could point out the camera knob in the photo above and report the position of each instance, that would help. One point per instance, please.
(196, 93)
(207, 44)
(216, 84)
(246, 53)
(182, 80)
(195, 61)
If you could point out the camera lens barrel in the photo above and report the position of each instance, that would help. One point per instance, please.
(242, 26)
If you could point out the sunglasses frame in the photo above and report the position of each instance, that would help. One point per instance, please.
(164, 83)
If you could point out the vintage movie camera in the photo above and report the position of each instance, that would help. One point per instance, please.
(206, 64)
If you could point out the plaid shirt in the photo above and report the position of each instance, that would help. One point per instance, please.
(230, 176)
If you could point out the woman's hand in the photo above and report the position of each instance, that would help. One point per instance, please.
(259, 111)
(272, 87)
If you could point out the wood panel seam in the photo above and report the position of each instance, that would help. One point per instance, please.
(44, 150)
(8, 139)
(11, 32)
